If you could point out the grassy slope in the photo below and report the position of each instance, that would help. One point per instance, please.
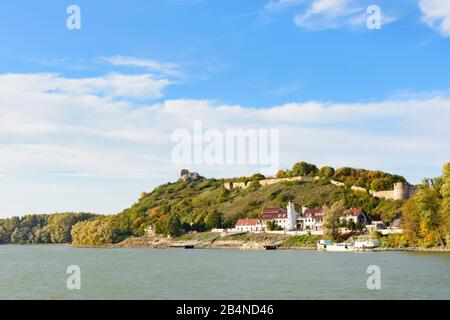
(190, 199)
(249, 203)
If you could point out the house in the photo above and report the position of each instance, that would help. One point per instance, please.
(376, 225)
(286, 219)
(278, 216)
(249, 225)
(313, 218)
(358, 216)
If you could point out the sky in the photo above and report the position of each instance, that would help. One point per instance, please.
(87, 116)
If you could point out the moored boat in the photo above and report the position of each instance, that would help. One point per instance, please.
(361, 244)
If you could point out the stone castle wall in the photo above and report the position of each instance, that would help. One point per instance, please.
(402, 191)
(266, 182)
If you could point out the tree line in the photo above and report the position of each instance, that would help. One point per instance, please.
(369, 179)
(40, 228)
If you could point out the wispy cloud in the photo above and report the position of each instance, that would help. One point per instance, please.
(164, 68)
(316, 15)
(331, 14)
(286, 88)
(113, 85)
(437, 15)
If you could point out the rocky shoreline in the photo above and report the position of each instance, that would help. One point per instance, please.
(165, 243)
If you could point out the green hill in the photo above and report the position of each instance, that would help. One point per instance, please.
(204, 204)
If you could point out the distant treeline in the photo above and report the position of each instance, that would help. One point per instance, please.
(40, 228)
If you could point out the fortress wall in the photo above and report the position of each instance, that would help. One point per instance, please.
(267, 182)
(338, 183)
(359, 189)
(232, 185)
(384, 194)
(401, 191)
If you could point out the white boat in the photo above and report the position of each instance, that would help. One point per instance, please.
(328, 245)
(366, 243)
(359, 245)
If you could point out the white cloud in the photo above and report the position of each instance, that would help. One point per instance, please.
(437, 15)
(113, 85)
(67, 146)
(330, 14)
(164, 68)
(318, 15)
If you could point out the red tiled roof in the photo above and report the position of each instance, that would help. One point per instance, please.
(247, 222)
(355, 211)
(274, 210)
(314, 211)
(273, 213)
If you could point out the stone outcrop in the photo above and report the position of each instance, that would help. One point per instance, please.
(188, 176)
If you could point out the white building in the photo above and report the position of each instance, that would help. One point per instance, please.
(286, 219)
(313, 219)
(358, 216)
(249, 225)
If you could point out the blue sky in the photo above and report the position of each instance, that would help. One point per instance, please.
(232, 50)
(87, 114)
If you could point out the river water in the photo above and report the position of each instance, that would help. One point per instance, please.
(39, 272)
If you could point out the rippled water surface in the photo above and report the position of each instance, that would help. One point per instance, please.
(39, 272)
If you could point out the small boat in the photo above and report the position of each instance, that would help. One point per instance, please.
(361, 244)
(328, 245)
(366, 243)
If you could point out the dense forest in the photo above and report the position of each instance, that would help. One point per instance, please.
(32, 229)
(184, 206)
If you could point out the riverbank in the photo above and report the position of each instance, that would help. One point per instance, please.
(208, 241)
(243, 242)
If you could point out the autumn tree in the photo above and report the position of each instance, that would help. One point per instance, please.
(326, 172)
(332, 220)
(445, 193)
(304, 169)
(281, 174)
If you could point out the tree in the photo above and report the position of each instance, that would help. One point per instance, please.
(160, 226)
(304, 169)
(421, 218)
(174, 227)
(445, 193)
(213, 219)
(332, 221)
(326, 172)
(281, 174)
(351, 225)
(272, 226)
(100, 231)
(60, 225)
(257, 176)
